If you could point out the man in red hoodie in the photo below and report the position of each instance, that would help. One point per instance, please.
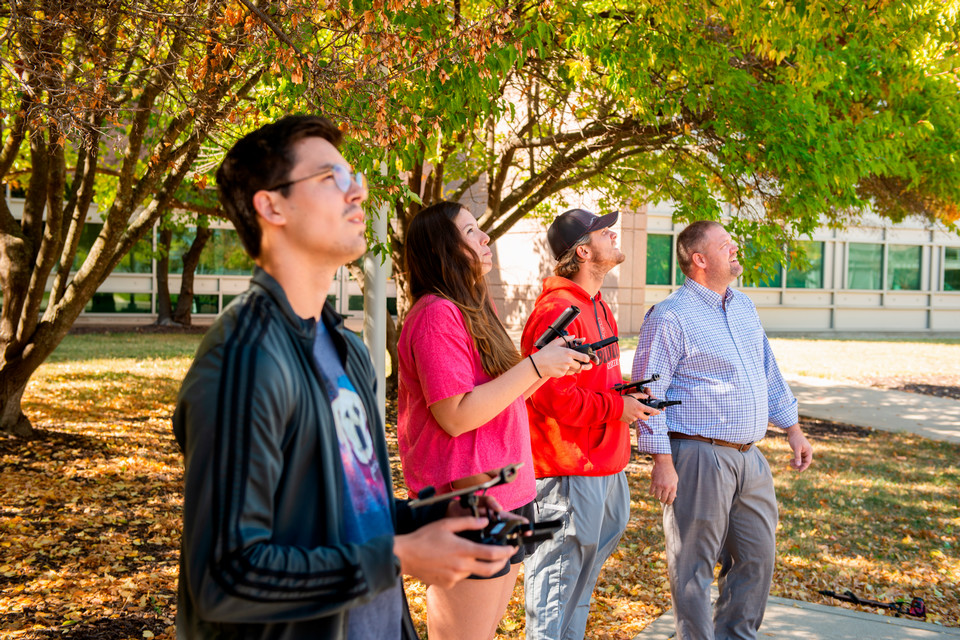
(579, 429)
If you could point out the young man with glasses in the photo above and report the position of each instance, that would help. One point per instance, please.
(290, 526)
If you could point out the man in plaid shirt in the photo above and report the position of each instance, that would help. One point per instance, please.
(706, 343)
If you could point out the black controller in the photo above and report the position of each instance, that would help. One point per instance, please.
(559, 327)
(653, 403)
(659, 405)
(512, 532)
(591, 349)
(638, 385)
(499, 531)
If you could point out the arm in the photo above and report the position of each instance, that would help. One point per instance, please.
(659, 350)
(533, 388)
(663, 478)
(783, 410)
(802, 451)
(465, 412)
(782, 404)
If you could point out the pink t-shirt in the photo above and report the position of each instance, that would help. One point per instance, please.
(438, 360)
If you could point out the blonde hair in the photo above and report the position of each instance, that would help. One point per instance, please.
(568, 264)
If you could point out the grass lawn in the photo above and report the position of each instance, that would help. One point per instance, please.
(90, 509)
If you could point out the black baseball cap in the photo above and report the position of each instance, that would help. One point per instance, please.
(572, 225)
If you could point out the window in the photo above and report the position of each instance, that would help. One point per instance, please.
(138, 260)
(223, 255)
(180, 242)
(865, 266)
(16, 191)
(659, 251)
(903, 269)
(120, 303)
(812, 276)
(201, 303)
(355, 303)
(951, 269)
(771, 280)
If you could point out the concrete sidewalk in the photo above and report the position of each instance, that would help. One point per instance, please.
(898, 411)
(794, 620)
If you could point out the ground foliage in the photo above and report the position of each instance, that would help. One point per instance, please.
(90, 510)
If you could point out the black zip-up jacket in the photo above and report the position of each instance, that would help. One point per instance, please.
(263, 553)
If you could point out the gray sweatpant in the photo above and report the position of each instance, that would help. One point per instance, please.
(560, 575)
(725, 511)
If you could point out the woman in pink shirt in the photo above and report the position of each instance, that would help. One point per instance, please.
(461, 400)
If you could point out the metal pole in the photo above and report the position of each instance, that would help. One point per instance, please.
(375, 275)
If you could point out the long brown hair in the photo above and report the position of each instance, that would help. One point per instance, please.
(438, 261)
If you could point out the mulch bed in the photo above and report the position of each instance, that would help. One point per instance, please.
(939, 385)
(941, 391)
(821, 429)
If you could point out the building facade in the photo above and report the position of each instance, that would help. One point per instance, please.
(874, 277)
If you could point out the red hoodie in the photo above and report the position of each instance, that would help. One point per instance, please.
(575, 426)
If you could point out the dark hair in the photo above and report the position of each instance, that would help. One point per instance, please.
(438, 261)
(259, 160)
(690, 241)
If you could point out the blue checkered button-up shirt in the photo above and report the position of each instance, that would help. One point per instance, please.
(712, 354)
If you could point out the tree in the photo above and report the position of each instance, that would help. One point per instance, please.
(796, 113)
(120, 104)
(181, 314)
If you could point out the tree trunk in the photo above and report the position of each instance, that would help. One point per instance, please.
(191, 259)
(12, 419)
(164, 308)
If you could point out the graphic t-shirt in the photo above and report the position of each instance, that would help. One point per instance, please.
(366, 510)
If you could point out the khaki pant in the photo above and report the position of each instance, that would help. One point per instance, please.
(726, 512)
(559, 576)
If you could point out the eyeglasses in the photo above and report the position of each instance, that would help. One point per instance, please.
(342, 177)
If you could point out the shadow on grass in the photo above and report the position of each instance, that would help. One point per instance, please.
(102, 629)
